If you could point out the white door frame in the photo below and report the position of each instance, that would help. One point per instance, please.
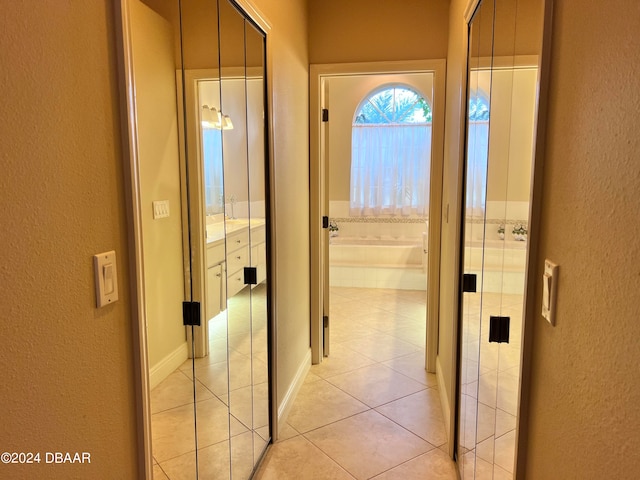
(318, 167)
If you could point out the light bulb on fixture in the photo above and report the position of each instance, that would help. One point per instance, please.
(227, 124)
(210, 117)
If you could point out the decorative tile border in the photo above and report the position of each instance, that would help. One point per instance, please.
(474, 220)
(379, 219)
(496, 221)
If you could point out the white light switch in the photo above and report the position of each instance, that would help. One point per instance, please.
(160, 209)
(106, 276)
(549, 291)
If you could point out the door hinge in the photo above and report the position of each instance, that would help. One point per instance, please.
(499, 329)
(325, 222)
(191, 314)
(325, 114)
(250, 275)
(325, 321)
(469, 282)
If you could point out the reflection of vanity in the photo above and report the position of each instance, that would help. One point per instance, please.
(244, 250)
(238, 250)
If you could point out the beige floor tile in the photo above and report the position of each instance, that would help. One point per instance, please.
(384, 321)
(214, 377)
(311, 377)
(346, 330)
(415, 336)
(241, 456)
(213, 462)
(173, 432)
(433, 465)
(158, 473)
(376, 384)
(174, 391)
(286, 432)
(342, 359)
(368, 444)
(320, 403)
(505, 451)
(413, 366)
(505, 422)
(381, 347)
(298, 459)
(419, 413)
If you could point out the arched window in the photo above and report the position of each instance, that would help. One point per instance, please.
(391, 153)
(477, 152)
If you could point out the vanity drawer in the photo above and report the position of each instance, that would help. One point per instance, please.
(237, 240)
(215, 254)
(235, 283)
(238, 259)
(257, 235)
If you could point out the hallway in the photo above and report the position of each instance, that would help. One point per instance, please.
(369, 410)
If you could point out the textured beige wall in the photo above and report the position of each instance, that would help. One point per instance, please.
(584, 418)
(290, 112)
(66, 367)
(152, 44)
(375, 30)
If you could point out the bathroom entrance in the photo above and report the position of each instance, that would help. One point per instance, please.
(378, 138)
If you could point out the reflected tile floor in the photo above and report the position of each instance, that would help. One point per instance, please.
(369, 410)
(221, 436)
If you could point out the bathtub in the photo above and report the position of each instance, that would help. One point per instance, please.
(398, 263)
(504, 265)
(377, 262)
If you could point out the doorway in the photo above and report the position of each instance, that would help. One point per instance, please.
(344, 89)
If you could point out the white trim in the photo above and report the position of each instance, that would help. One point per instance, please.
(472, 5)
(292, 392)
(444, 402)
(134, 230)
(168, 365)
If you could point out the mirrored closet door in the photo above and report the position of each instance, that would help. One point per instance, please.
(504, 42)
(198, 115)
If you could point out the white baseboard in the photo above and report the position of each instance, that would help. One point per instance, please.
(287, 402)
(444, 401)
(167, 365)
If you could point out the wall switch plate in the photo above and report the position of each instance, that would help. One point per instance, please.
(106, 276)
(160, 209)
(549, 291)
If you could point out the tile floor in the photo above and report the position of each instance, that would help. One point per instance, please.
(369, 410)
(231, 407)
(490, 378)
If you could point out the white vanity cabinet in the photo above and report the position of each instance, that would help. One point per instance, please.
(215, 286)
(259, 253)
(237, 259)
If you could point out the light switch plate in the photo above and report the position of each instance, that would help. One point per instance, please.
(549, 291)
(160, 209)
(106, 277)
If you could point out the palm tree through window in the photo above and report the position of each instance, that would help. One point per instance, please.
(391, 153)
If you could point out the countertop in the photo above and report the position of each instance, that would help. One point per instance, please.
(216, 231)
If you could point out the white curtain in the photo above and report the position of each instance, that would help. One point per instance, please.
(390, 167)
(477, 154)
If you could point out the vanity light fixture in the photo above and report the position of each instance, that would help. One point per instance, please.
(226, 123)
(211, 117)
